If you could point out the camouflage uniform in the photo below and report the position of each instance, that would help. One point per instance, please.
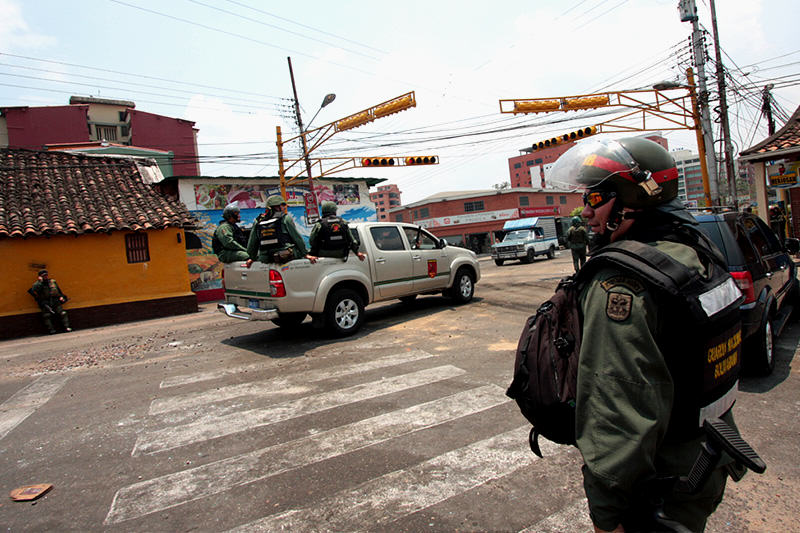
(49, 297)
(230, 248)
(286, 227)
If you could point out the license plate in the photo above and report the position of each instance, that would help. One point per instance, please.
(253, 303)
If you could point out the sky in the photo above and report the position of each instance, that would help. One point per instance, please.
(223, 65)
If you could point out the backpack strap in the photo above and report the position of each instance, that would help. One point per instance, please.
(647, 261)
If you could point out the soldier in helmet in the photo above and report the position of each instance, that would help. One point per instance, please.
(229, 242)
(274, 237)
(577, 241)
(331, 237)
(643, 387)
(48, 295)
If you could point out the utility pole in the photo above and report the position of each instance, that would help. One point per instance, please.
(688, 12)
(312, 210)
(766, 108)
(730, 171)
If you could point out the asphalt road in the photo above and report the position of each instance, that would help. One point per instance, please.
(204, 423)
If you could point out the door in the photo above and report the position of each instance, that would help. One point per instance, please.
(431, 267)
(776, 262)
(392, 262)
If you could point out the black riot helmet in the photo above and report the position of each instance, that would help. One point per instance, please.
(640, 172)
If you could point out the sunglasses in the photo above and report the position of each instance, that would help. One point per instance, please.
(597, 198)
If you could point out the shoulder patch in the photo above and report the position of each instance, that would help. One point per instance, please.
(632, 284)
(618, 306)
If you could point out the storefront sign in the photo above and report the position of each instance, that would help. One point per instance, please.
(538, 211)
(783, 174)
(468, 218)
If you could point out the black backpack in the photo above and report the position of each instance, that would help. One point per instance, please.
(546, 365)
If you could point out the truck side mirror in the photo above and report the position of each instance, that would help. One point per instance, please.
(442, 243)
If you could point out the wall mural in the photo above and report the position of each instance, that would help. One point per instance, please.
(205, 270)
(217, 196)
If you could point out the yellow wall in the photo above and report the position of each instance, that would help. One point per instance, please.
(92, 269)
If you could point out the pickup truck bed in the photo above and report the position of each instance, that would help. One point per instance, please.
(402, 262)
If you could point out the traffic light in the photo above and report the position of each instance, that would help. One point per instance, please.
(565, 138)
(536, 106)
(401, 103)
(378, 161)
(354, 121)
(586, 102)
(422, 160)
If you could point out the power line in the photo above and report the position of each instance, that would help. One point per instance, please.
(282, 29)
(138, 75)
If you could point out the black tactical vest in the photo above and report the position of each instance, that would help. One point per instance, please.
(271, 235)
(332, 234)
(701, 334)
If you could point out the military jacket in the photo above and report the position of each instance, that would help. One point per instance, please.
(46, 293)
(291, 234)
(577, 238)
(230, 237)
(625, 396)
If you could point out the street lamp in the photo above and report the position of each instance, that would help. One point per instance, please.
(330, 97)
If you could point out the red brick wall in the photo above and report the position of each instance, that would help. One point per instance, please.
(33, 127)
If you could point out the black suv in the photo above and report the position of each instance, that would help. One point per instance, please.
(764, 271)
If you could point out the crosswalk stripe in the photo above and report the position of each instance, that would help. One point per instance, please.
(209, 427)
(308, 375)
(175, 489)
(27, 400)
(407, 491)
(573, 518)
(276, 386)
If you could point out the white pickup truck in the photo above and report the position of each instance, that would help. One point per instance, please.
(525, 239)
(402, 261)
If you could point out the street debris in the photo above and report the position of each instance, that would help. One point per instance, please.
(29, 492)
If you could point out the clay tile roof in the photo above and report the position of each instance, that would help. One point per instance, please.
(786, 139)
(49, 193)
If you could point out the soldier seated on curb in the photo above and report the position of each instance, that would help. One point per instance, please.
(331, 237)
(50, 299)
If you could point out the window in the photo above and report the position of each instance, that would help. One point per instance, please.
(383, 209)
(549, 200)
(562, 199)
(387, 238)
(517, 165)
(424, 213)
(473, 206)
(524, 200)
(136, 248)
(398, 217)
(419, 239)
(530, 162)
(106, 133)
(538, 161)
(416, 215)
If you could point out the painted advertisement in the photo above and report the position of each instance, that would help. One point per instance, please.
(210, 196)
(783, 174)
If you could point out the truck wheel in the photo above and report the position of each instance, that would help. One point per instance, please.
(762, 350)
(551, 252)
(289, 320)
(530, 257)
(499, 262)
(463, 286)
(344, 312)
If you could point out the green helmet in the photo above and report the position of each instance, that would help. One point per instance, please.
(639, 171)
(328, 208)
(577, 221)
(275, 200)
(229, 210)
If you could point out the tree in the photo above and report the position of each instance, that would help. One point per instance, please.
(501, 186)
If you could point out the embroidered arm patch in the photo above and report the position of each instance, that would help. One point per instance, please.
(618, 306)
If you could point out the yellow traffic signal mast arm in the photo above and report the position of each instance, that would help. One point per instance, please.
(648, 102)
(681, 111)
(323, 133)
